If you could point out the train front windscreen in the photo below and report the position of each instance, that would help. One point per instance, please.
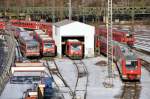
(33, 48)
(131, 65)
(76, 47)
(48, 45)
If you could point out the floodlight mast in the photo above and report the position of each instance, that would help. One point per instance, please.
(70, 10)
(109, 42)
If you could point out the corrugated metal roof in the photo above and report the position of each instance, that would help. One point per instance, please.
(64, 22)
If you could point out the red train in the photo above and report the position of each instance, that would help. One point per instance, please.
(47, 45)
(127, 63)
(123, 36)
(74, 49)
(28, 46)
(46, 27)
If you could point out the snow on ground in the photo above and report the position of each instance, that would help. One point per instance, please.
(95, 89)
(145, 84)
(68, 71)
(97, 75)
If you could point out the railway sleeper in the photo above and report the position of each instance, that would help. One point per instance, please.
(82, 74)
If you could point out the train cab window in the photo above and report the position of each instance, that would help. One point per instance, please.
(48, 45)
(32, 47)
(76, 47)
(130, 65)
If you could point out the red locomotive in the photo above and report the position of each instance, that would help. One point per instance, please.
(29, 47)
(74, 49)
(47, 45)
(128, 64)
(123, 36)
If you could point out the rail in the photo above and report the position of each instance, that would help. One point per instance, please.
(80, 91)
(131, 90)
(58, 74)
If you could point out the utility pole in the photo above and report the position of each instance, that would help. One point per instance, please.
(53, 11)
(70, 10)
(83, 12)
(110, 64)
(133, 14)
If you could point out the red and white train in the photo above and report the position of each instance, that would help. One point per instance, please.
(74, 49)
(127, 62)
(46, 27)
(122, 36)
(47, 44)
(28, 46)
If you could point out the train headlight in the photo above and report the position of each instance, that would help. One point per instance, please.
(127, 34)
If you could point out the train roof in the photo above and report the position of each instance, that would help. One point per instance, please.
(24, 34)
(21, 29)
(127, 31)
(39, 31)
(27, 38)
(127, 51)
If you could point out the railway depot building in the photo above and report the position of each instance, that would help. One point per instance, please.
(68, 29)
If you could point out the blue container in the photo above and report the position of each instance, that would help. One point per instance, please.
(48, 90)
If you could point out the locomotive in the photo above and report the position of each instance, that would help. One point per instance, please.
(128, 64)
(122, 36)
(47, 46)
(28, 46)
(74, 49)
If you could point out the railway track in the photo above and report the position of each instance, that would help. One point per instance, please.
(58, 74)
(144, 56)
(80, 90)
(146, 65)
(131, 90)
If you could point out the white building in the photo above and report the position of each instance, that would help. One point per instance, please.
(67, 29)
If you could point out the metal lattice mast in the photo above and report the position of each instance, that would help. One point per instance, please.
(109, 42)
(70, 10)
(53, 19)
